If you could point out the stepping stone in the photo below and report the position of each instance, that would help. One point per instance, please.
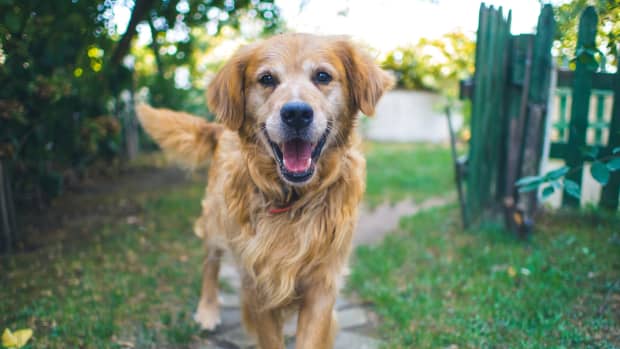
(229, 300)
(237, 337)
(230, 318)
(342, 303)
(350, 340)
(229, 273)
(352, 317)
(290, 326)
(205, 345)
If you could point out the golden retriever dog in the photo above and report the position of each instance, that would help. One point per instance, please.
(285, 178)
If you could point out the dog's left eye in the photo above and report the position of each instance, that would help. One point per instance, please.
(323, 78)
(267, 80)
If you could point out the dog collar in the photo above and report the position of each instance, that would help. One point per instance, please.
(287, 206)
(278, 210)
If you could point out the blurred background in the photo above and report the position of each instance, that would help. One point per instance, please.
(491, 215)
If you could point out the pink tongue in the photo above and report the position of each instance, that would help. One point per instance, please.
(297, 155)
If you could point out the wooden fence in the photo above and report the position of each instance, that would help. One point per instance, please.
(509, 98)
(587, 129)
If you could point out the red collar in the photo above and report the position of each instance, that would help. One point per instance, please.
(287, 206)
(277, 210)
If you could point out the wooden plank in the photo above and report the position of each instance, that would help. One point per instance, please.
(600, 124)
(609, 195)
(600, 81)
(516, 104)
(536, 117)
(478, 103)
(458, 169)
(582, 86)
(559, 150)
(488, 117)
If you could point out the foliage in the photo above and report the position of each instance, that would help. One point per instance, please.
(567, 16)
(62, 73)
(436, 286)
(433, 64)
(601, 170)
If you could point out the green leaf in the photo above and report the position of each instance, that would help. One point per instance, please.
(12, 21)
(572, 188)
(613, 164)
(591, 153)
(529, 187)
(600, 172)
(529, 180)
(557, 173)
(547, 191)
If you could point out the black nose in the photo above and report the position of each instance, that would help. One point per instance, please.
(297, 115)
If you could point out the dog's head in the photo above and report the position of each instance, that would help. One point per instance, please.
(298, 95)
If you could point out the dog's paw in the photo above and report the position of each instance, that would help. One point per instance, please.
(207, 316)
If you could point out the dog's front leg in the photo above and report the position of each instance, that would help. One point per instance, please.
(265, 325)
(316, 326)
(208, 311)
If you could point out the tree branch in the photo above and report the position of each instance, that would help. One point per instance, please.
(138, 14)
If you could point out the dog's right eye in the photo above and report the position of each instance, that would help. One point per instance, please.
(267, 80)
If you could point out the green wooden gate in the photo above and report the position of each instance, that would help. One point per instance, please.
(509, 99)
(589, 93)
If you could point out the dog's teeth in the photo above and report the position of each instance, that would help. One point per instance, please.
(308, 162)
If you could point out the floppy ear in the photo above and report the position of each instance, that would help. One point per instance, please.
(367, 82)
(225, 93)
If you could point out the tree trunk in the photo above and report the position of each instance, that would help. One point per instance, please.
(140, 10)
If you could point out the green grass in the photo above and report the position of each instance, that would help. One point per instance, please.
(407, 170)
(97, 285)
(436, 286)
(130, 282)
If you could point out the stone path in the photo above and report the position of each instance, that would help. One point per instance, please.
(358, 323)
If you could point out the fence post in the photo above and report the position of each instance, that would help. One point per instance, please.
(582, 86)
(609, 195)
(538, 96)
(488, 118)
(130, 125)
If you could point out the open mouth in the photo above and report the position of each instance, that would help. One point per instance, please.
(297, 157)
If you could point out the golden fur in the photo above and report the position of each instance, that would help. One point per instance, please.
(291, 260)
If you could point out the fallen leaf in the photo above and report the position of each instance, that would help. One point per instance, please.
(16, 339)
(511, 271)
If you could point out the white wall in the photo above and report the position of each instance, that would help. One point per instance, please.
(409, 116)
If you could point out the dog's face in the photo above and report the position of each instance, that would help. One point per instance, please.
(298, 95)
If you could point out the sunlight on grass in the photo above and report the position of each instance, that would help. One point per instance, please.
(397, 171)
(436, 286)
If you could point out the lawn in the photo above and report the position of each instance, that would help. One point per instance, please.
(136, 278)
(129, 270)
(436, 286)
(124, 265)
(398, 171)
